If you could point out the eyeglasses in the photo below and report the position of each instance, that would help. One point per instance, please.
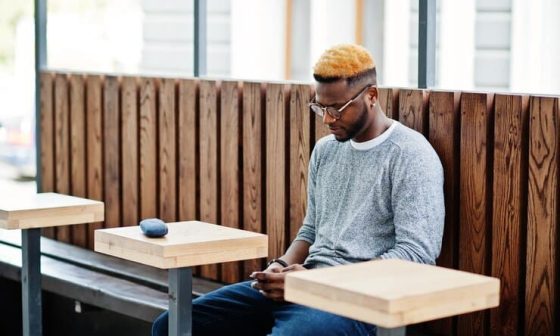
(332, 111)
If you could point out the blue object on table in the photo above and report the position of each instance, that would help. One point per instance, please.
(153, 227)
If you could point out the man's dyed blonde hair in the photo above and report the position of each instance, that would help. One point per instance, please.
(343, 61)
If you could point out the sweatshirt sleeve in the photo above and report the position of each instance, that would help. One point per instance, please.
(418, 207)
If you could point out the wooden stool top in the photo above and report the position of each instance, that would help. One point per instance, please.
(47, 210)
(392, 293)
(186, 244)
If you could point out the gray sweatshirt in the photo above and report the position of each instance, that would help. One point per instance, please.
(381, 198)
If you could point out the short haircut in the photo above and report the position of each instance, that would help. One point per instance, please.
(351, 62)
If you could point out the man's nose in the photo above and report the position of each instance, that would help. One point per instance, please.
(328, 119)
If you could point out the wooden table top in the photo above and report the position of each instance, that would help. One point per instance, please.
(47, 210)
(392, 293)
(186, 244)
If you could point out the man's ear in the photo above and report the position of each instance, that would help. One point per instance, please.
(372, 94)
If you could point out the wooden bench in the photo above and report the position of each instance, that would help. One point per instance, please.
(91, 278)
(236, 154)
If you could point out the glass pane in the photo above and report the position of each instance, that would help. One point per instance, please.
(388, 29)
(17, 88)
(500, 45)
(535, 46)
(94, 35)
(167, 37)
(258, 39)
(167, 34)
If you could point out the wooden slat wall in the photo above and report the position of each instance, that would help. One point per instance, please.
(236, 154)
(389, 100)
(167, 153)
(47, 168)
(541, 295)
(444, 137)
(320, 129)
(78, 150)
(94, 146)
(111, 151)
(129, 151)
(474, 228)
(187, 150)
(61, 145)
(230, 191)
(413, 109)
(275, 170)
(509, 196)
(253, 157)
(209, 161)
(148, 149)
(300, 151)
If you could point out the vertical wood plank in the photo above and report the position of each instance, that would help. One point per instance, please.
(474, 204)
(47, 139)
(230, 130)
(187, 149)
(209, 137)
(253, 164)
(148, 149)
(508, 198)
(111, 150)
(321, 130)
(129, 151)
(94, 120)
(276, 178)
(413, 109)
(300, 151)
(167, 154)
(541, 308)
(389, 100)
(62, 145)
(78, 150)
(444, 137)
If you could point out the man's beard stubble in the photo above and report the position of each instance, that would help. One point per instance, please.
(356, 127)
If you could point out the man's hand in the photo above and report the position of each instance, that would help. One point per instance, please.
(270, 282)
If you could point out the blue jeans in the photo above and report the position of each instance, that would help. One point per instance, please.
(239, 309)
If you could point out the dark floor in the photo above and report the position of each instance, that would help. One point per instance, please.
(60, 317)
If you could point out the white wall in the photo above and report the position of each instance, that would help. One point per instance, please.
(258, 39)
(457, 45)
(535, 66)
(396, 43)
(493, 45)
(301, 61)
(332, 22)
(373, 29)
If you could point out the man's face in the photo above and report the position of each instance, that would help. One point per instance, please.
(354, 117)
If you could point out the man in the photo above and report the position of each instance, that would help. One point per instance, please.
(375, 191)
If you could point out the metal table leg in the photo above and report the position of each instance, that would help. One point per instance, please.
(31, 282)
(400, 331)
(180, 301)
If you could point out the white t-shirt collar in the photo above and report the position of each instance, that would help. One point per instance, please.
(366, 145)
